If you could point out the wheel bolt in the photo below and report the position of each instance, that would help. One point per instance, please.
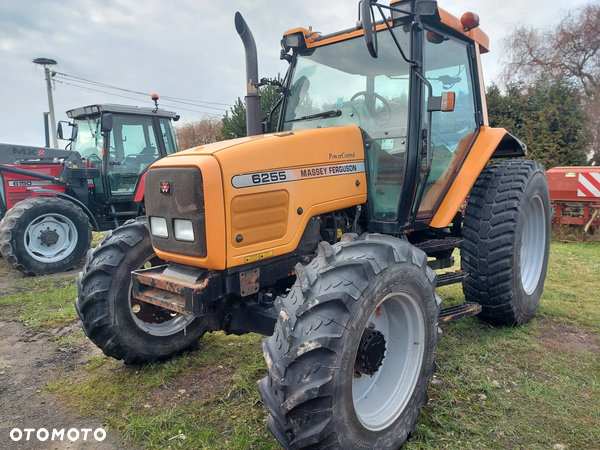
(357, 374)
(371, 326)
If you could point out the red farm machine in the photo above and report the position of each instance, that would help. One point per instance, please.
(575, 195)
(51, 199)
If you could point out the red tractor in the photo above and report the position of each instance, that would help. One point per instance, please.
(51, 200)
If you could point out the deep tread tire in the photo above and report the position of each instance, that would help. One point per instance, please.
(18, 218)
(310, 356)
(103, 303)
(493, 232)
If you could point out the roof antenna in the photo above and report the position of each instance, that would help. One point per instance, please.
(155, 98)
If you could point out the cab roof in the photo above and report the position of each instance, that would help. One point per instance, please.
(119, 109)
(317, 39)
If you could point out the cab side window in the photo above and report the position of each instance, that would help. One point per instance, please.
(447, 67)
(167, 131)
(132, 149)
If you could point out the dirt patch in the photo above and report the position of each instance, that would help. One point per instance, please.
(569, 338)
(198, 386)
(28, 361)
(14, 282)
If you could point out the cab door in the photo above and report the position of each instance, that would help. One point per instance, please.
(133, 148)
(449, 67)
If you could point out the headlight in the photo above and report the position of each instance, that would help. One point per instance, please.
(183, 230)
(158, 227)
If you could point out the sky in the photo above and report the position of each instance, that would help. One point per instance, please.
(187, 49)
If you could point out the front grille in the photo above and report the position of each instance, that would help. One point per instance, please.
(177, 193)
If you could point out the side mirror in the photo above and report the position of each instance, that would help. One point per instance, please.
(107, 122)
(370, 31)
(61, 132)
(444, 103)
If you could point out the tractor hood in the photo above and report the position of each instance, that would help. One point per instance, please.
(258, 193)
(282, 150)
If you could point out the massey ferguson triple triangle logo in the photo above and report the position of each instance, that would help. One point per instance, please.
(165, 187)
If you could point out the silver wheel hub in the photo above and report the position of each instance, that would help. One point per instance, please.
(380, 398)
(533, 245)
(50, 238)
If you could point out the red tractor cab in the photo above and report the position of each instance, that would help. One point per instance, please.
(52, 199)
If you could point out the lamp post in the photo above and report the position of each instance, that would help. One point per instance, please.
(46, 62)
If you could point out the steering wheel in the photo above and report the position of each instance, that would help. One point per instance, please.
(380, 118)
(88, 152)
(94, 158)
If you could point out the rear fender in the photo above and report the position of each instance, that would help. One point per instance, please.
(490, 143)
(41, 192)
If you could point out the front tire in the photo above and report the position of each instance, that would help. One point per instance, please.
(353, 349)
(121, 326)
(44, 235)
(506, 245)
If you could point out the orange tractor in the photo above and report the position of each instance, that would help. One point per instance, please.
(325, 234)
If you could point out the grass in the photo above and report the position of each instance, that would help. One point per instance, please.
(43, 301)
(533, 387)
(146, 404)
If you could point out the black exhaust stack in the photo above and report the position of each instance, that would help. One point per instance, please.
(253, 107)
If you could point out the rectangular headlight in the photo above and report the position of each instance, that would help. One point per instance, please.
(183, 230)
(158, 227)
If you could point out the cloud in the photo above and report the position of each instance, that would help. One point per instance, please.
(187, 49)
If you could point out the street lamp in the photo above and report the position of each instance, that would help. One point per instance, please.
(47, 62)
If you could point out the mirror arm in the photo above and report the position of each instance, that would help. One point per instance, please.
(387, 24)
(271, 113)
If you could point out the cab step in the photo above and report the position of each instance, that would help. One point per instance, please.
(436, 245)
(453, 313)
(444, 279)
(132, 214)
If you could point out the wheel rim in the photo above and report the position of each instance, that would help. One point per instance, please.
(533, 245)
(50, 238)
(380, 398)
(153, 319)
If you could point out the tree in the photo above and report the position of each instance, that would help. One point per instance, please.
(547, 116)
(234, 124)
(569, 51)
(200, 132)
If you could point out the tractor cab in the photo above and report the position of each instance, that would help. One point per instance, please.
(121, 141)
(415, 91)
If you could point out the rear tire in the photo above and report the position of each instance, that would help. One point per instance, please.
(121, 326)
(44, 235)
(506, 244)
(332, 382)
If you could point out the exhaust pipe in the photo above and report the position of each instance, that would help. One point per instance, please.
(253, 107)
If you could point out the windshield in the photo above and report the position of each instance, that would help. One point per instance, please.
(89, 138)
(340, 84)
